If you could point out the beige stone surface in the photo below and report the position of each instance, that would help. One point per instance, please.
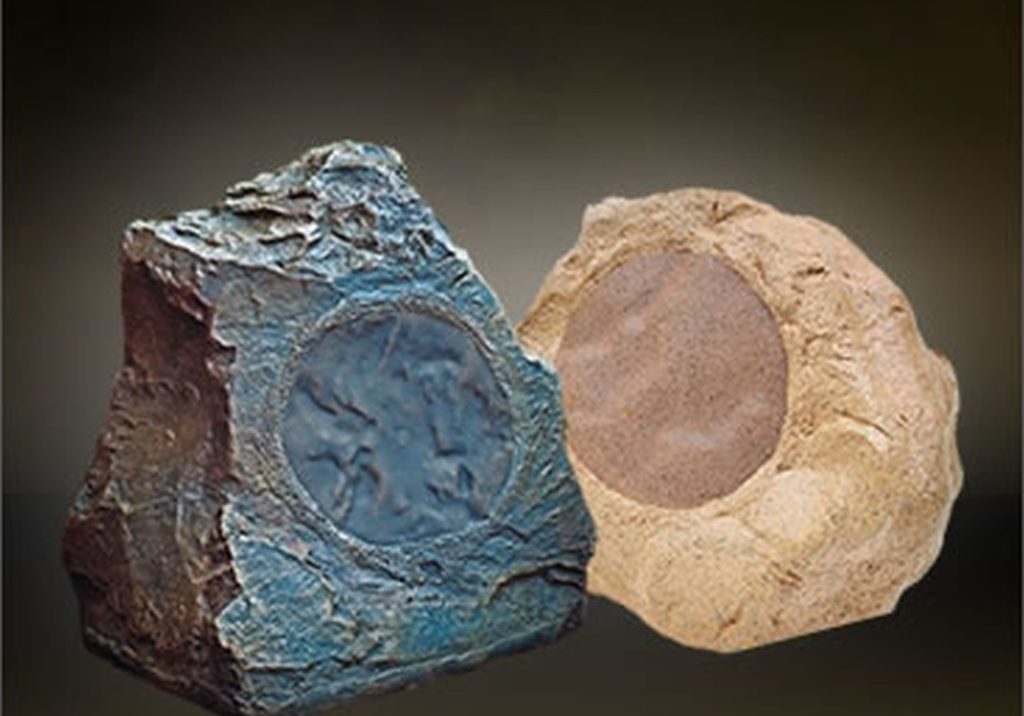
(851, 507)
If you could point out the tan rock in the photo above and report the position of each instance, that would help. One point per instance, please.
(765, 442)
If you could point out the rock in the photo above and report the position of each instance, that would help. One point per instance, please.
(765, 442)
(328, 468)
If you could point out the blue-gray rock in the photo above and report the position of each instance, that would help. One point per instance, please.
(328, 467)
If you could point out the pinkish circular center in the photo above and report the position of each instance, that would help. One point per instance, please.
(674, 379)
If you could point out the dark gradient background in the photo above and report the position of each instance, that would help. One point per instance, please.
(898, 122)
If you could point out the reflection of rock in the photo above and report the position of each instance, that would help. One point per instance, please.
(847, 505)
(328, 468)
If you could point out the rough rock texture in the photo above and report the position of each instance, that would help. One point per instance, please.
(850, 507)
(328, 468)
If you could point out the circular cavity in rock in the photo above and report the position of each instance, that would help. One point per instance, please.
(674, 379)
(397, 426)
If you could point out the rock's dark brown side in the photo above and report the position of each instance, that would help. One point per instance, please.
(142, 544)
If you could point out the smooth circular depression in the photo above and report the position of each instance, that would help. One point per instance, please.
(674, 379)
(397, 426)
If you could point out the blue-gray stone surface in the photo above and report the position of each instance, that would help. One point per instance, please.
(328, 467)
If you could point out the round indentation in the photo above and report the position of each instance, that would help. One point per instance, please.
(674, 379)
(397, 426)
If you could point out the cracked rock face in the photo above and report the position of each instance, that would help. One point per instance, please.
(765, 442)
(328, 467)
